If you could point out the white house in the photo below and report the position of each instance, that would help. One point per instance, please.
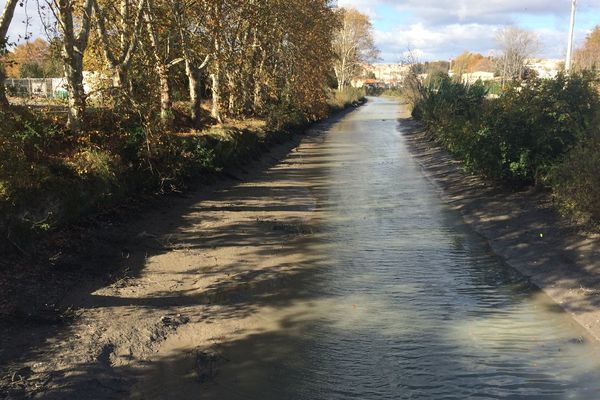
(473, 77)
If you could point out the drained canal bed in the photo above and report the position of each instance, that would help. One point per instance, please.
(394, 298)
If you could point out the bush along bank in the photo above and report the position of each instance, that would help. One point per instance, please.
(542, 132)
(50, 178)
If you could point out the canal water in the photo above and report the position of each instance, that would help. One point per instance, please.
(403, 301)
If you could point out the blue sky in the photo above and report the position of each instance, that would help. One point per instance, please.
(442, 29)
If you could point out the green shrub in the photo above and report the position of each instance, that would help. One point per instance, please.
(133, 144)
(25, 143)
(172, 159)
(94, 163)
(517, 137)
(576, 180)
(443, 100)
(285, 117)
(493, 87)
(541, 122)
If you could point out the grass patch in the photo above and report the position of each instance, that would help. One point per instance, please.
(349, 97)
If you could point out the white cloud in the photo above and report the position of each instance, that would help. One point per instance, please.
(440, 29)
(365, 6)
(477, 11)
(426, 42)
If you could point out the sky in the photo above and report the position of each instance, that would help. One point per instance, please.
(442, 29)
(26, 21)
(437, 29)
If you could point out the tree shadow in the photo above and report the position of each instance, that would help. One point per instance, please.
(307, 357)
(110, 255)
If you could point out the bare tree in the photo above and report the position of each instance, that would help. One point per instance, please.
(517, 45)
(353, 45)
(74, 25)
(413, 85)
(5, 20)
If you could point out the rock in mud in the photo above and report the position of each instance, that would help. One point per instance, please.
(174, 321)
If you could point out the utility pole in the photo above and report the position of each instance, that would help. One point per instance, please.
(569, 61)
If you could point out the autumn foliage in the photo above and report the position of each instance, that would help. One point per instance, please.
(183, 88)
(588, 55)
(468, 62)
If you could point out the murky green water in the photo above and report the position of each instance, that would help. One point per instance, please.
(404, 301)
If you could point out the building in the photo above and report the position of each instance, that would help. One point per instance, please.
(473, 77)
(545, 69)
(388, 74)
(363, 82)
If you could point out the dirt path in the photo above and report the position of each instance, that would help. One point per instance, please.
(523, 228)
(213, 256)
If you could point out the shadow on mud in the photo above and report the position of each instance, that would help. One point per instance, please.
(115, 252)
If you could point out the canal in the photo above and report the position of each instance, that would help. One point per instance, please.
(400, 299)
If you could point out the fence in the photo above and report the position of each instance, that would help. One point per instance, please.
(36, 87)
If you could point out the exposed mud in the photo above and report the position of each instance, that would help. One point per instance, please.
(138, 279)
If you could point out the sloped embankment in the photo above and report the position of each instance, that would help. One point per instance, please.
(522, 227)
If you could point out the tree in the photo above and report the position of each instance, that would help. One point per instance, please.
(463, 62)
(5, 20)
(35, 59)
(588, 55)
(269, 59)
(486, 64)
(353, 45)
(517, 45)
(118, 32)
(468, 63)
(267, 55)
(214, 28)
(308, 57)
(187, 15)
(162, 34)
(74, 26)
